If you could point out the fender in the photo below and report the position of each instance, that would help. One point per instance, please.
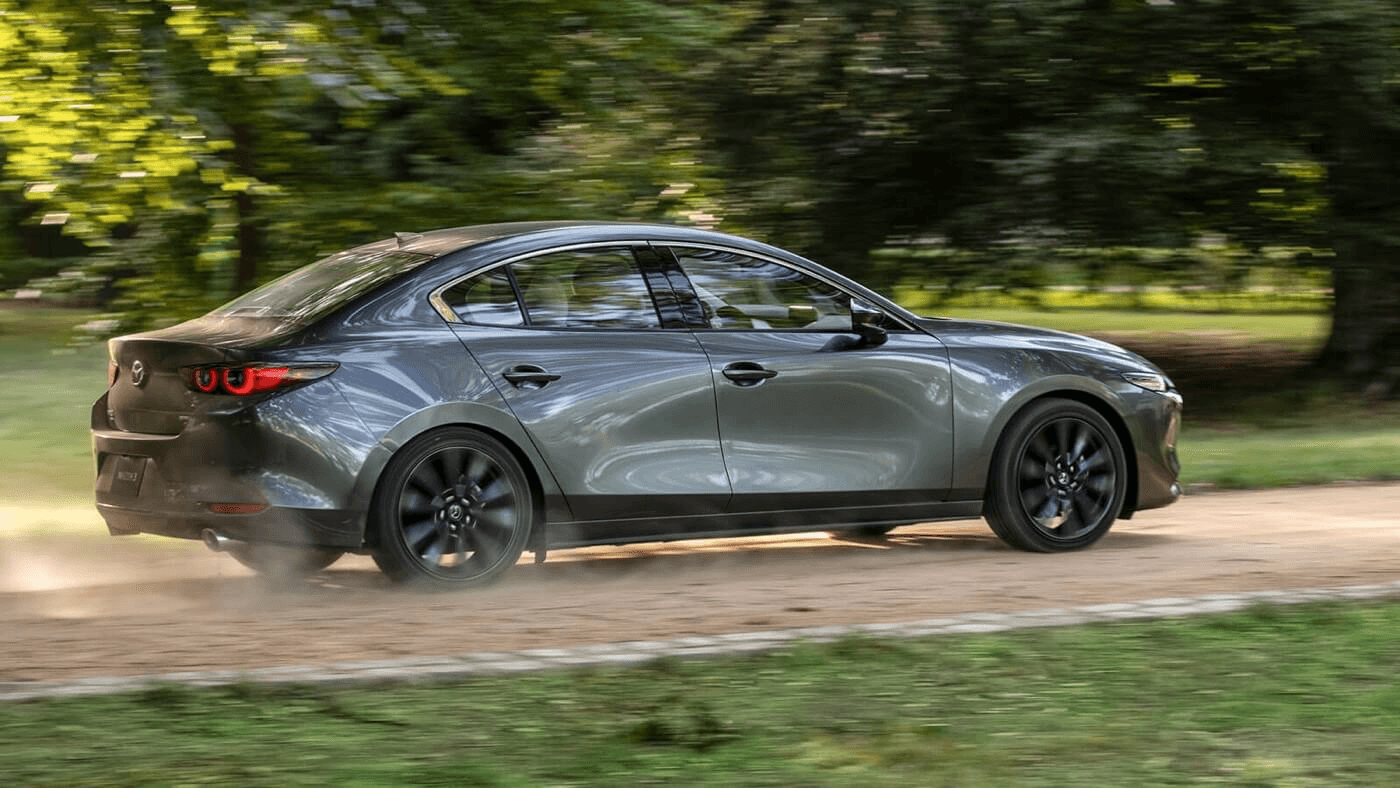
(499, 422)
(973, 462)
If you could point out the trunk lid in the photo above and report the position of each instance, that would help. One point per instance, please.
(150, 394)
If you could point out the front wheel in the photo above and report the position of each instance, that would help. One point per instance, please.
(453, 509)
(1058, 478)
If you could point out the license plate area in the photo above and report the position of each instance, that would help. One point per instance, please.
(122, 474)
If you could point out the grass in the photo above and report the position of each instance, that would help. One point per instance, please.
(1256, 458)
(1303, 330)
(1300, 696)
(49, 391)
(1265, 301)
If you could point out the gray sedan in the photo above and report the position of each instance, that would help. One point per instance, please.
(447, 400)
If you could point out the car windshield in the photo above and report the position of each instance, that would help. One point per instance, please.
(316, 289)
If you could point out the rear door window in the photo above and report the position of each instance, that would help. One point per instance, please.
(599, 288)
(586, 288)
(486, 300)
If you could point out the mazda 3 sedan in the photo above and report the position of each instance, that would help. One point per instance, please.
(445, 401)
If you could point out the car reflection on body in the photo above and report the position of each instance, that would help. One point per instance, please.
(445, 401)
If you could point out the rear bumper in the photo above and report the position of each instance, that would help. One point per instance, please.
(297, 477)
(317, 527)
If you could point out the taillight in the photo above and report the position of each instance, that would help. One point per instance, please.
(206, 379)
(243, 381)
(247, 379)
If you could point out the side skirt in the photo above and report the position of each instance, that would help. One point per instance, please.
(670, 529)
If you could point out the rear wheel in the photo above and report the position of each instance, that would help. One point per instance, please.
(453, 509)
(275, 560)
(1058, 478)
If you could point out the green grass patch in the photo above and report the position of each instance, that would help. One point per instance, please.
(44, 415)
(1255, 458)
(1304, 330)
(1301, 695)
(1268, 301)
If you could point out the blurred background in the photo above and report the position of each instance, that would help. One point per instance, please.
(1213, 183)
(1209, 182)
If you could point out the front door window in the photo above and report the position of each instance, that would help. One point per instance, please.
(746, 293)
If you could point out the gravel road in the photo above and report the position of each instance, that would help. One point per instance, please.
(76, 604)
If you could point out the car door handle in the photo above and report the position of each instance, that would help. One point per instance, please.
(528, 373)
(747, 373)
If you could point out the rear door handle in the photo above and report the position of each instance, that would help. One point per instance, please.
(522, 374)
(748, 373)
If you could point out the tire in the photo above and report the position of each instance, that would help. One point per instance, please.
(1058, 478)
(452, 509)
(283, 561)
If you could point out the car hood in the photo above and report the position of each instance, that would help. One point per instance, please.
(990, 333)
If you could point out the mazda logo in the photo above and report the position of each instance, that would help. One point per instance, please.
(138, 374)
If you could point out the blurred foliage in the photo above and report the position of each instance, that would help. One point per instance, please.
(204, 146)
(1187, 279)
(1010, 131)
(982, 125)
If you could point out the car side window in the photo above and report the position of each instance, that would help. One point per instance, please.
(486, 299)
(737, 291)
(585, 288)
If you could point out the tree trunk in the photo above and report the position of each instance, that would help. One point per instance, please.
(1364, 345)
(1360, 151)
(249, 238)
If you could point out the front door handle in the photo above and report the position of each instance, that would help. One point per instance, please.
(747, 373)
(522, 374)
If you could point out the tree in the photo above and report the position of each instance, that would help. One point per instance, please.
(1288, 113)
(209, 145)
(994, 123)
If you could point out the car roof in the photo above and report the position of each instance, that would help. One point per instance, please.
(444, 241)
(511, 237)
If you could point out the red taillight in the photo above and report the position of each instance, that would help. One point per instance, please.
(248, 379)
(206, 379)
(242, 381)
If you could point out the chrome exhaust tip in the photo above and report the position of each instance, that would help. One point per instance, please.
(214, 541)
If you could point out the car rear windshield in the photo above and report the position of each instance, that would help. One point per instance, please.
(313, 291)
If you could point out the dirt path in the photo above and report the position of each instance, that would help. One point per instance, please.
(74, 605)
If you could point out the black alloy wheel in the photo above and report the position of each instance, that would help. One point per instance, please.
(453, 509)
(1058, 478)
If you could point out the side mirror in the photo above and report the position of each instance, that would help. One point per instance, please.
(870, 334)
(865, 322)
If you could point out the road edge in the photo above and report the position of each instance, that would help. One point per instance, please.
(449, 668)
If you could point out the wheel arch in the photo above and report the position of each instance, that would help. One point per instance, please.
(501, 426)
(1104, 409)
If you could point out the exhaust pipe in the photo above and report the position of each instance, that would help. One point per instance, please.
(215, 541)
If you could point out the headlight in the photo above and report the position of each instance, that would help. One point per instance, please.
(1151, 381)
